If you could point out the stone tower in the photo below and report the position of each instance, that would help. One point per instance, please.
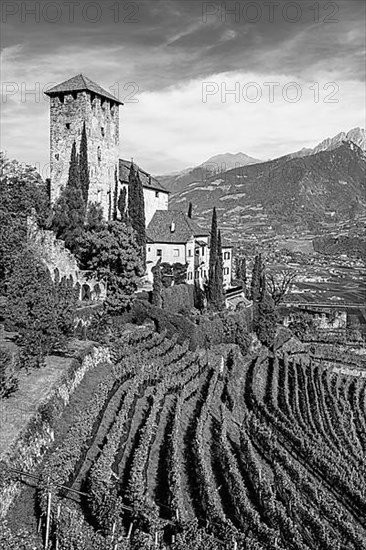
(72, 103)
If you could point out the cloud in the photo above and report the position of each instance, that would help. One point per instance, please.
(167, 55)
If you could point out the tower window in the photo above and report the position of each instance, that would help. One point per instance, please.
(67, 125)
(99, 154)
(102, 131)
(159, 252)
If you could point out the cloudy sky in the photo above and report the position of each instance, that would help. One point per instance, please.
(264, 77)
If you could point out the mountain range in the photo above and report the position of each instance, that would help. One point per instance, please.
(291, 193)
(218, 163)
(177, 181)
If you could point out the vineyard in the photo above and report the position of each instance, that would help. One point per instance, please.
(187, 450)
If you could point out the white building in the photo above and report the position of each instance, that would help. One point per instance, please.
(155, 195)
(173, 237)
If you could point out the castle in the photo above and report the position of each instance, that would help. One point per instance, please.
(171, 236)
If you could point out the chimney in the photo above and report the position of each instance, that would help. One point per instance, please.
(172, 227)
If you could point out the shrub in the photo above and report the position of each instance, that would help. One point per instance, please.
(178, 297)
(32, 308)
(8, 379)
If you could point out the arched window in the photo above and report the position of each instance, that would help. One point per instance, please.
(85, 293)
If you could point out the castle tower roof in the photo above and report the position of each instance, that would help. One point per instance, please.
(80, 83)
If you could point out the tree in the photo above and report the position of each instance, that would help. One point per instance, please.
(190, 210)
(121, 204)
(83, 166)
(94, 216)
(113, 254)
(265, 325)
(136, 210)
(22, 193)
(8, 378)
(302, 323)
(69, 209)
(211, 290)
(115, 195)
(32, 308)
(179, 273)
(199, 297)
(241, 272)
(219, 298)
(279, 284)
(255, 286)
(157, 285)
(213, 241)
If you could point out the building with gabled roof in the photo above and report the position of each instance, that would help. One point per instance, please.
(173, 237)
(156, 197)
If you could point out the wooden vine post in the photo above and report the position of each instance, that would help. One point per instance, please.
(130, 530)
(48, 517)
(58, 517)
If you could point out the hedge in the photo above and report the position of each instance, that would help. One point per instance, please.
(177, 298)
(226, 327)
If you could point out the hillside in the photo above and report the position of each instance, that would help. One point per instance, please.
(304, 192)
(218, 163)
(188, 450)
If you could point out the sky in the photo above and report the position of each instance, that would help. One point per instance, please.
(263, 77)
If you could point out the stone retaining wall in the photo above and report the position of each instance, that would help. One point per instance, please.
(37, 436)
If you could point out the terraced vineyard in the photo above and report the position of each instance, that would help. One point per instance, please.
(188, 450)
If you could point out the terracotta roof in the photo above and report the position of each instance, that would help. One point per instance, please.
(159, 228)
(147, 180)
(79, 83)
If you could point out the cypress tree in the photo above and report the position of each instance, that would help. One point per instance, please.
(121, 204)
(243, 274)
(256, 278)
(83, 165)
(69, 210)
(213, 241)
(190, 210)
(131, 202)
(157, 285)
(212, 262)
(136, 210)
(115, 195)
(219, 299)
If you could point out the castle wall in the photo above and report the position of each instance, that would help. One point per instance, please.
(57, 257)
(68, 112)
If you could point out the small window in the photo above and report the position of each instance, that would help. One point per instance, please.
(176, 252)
(67, 125)
(190, 253)
(99, 154)
(102, 131)
(159, 252)
(148, 249)
(203, 251)
(226, 271)
(156, 194)
(57, 156)
(226, 255)
(190, 276)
